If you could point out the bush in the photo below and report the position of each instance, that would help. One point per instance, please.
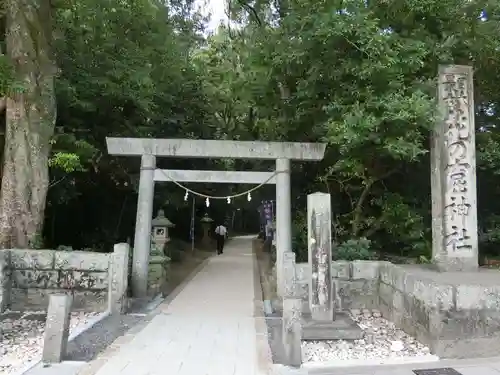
(354, 249)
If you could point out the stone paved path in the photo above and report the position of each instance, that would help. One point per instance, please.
(208, 329)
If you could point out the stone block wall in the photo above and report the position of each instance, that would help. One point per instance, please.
(356, 283)
(29, 277)
(457, 314)
(412, 303)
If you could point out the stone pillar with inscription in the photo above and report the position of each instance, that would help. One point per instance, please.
(453, 173)
(322, 322)
(321, 287)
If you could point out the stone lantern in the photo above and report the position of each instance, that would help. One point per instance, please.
(206, 224)
(160, 225)
(158, 261)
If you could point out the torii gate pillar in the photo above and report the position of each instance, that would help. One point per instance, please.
(283, 218)
(142, 239)
(149, 148)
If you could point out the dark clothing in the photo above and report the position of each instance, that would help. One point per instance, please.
(220, 243)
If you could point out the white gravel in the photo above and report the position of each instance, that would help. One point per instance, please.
(382, 341)
(21, 339)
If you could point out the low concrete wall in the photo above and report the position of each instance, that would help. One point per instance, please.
(29, 277)
(356, 283)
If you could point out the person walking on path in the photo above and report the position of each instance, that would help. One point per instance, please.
(220, 233)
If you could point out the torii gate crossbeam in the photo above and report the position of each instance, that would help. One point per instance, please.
(223, 177)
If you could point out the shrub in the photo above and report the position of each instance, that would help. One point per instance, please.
(354, 249)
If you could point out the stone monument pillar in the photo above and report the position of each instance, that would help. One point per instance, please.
(453, 173)
(319, 234)
(56, 335)
(206, 224)
(321, 322)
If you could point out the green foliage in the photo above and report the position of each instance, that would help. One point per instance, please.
(67, 162)
(359, 249)
(358, 76)
(37, 243)
(125, 70)
(362, 78)
(6, 75)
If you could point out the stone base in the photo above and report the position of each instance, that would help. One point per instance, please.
(342, 328)
(455, 264)
(157, 276)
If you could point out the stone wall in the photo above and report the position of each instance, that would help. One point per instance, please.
(457, 314)
(356, 283)
(29, 277)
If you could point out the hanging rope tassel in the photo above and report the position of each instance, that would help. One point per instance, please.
(249, 196)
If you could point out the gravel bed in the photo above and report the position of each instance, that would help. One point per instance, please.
(21, 337)
(382, 341)
(101, 335)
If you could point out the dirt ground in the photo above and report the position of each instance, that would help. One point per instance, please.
(179, 271)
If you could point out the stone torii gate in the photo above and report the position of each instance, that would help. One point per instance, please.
(148, 149)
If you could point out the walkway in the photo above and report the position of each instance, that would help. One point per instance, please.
(208, 329)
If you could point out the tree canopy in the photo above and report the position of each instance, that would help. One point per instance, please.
(358, 75)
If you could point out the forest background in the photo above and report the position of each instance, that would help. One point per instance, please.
(358, 75)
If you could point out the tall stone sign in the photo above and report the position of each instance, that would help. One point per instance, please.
(321, 321)
(453, 173)
(320, 257)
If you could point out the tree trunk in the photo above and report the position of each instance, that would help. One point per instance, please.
(30, 121)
